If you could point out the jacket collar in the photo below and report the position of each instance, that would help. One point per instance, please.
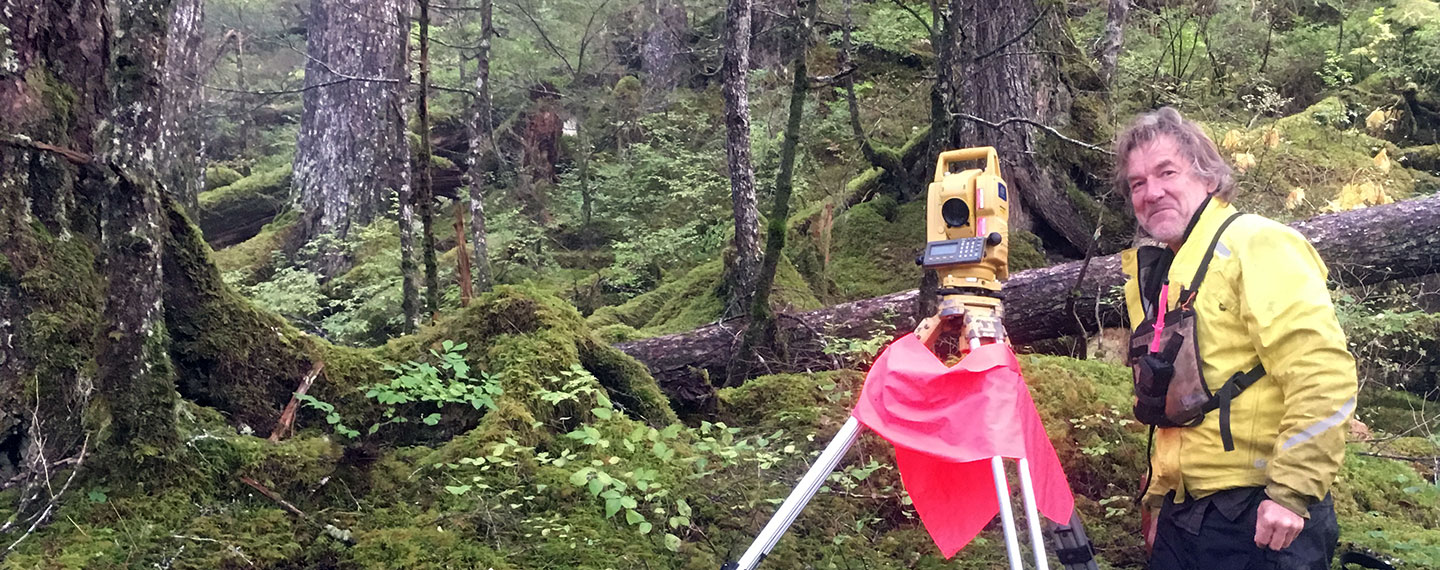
(1207, 219)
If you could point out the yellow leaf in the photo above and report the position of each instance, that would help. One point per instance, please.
(1244, 161)
(1376, 120)
(1382, 161)
(1296, 197)
(1272, 138)
(1232, 140)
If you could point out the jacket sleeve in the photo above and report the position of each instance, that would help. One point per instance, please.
(1292, 325)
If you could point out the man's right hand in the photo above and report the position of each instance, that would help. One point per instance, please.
(1276, 526)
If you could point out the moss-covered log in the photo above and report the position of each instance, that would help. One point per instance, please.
(235, 212)
(1361, 247)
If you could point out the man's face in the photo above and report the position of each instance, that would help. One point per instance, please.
(1164, 191)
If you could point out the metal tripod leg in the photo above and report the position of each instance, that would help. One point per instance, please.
(799, 496)
(1007, 516)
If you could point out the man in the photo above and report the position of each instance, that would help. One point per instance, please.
(1247, 487)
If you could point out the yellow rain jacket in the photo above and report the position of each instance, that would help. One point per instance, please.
(1263, 300)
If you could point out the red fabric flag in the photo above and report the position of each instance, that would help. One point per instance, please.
(947, 422)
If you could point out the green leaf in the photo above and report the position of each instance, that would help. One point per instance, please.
(447, 345)
(612, 506)
(633, 517)
(595, 487)
(682, 507)
(672, 542)
(602, 413)
(645, 527)
(628, 502)
(432, 419)
(579, 478)
(457, 489)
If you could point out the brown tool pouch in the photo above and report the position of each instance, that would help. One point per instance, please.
(1170, 387)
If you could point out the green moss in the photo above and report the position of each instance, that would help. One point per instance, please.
(1320, 150)
(441, 163)
(874, 249)
(233, 213)
(1394, 411)
(617, 333)
(220, 177)
(1026, 251)
(788, 401)
(252, 258)
(696, 299)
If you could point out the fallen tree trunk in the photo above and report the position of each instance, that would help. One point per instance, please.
(1361, 247)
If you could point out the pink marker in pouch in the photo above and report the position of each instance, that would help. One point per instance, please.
(1160, 317)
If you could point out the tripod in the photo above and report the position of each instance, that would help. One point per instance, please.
(978, 319)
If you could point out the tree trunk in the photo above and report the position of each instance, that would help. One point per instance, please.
(760, 333)
(182, 171)
(352, 78)
(48, 228)
(462, 257)
(1001, 79)
(886, 158)
(1107, 48)
(426, 195)
(746, 267)
(482, 140)
(135, 377)
(1398, 242)
(405, 200)
(662, 50)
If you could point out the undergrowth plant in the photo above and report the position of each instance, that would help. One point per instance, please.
(448, 381)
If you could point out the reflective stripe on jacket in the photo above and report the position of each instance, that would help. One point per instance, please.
(1263, 300)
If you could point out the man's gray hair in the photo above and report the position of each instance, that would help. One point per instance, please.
(1205, 160)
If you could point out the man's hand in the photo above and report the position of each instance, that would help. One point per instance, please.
(1276, 526)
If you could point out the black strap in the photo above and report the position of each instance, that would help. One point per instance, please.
(1232, 388)
(1149, 468)
(1364, 561)
(1209, 253)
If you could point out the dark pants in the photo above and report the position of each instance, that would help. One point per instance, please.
(1218, 532)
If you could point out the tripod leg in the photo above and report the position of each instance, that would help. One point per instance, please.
(1007, 515)
(1037, 543)
(799, 496)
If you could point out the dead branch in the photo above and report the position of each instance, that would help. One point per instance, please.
(335, 532)
(1047, 128)
(44, 515)
(287, 417)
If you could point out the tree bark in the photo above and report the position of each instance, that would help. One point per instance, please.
(1361, 247)
(352, 77)
(181, 147)
(1107, 48)
(405, 200)
(1002, 78)
(746, 267)
(135, 378)
(760, 333)
(662, 50)
(462, 257)
(426, 195)
(48, 338)
(482, 140)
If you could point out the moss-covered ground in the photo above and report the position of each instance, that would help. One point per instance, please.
(581, 464)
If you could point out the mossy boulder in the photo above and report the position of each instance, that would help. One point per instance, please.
(875, 243)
